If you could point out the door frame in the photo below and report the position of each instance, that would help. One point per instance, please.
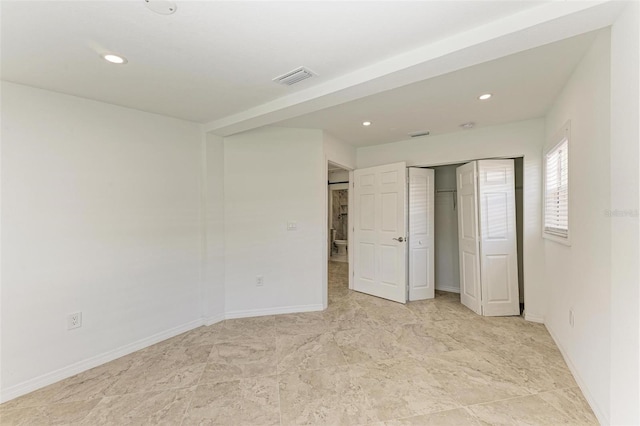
(325, 232)
(524, 219)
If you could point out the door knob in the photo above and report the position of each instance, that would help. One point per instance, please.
(399, 239)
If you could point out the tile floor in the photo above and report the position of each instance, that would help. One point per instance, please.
(363, 361)
(339, 258)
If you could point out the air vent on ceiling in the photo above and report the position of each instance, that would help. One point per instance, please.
(295, 76)
(419, 134)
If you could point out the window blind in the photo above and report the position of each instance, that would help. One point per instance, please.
(556, 212)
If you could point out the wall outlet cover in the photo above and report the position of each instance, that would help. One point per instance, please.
(74, 320)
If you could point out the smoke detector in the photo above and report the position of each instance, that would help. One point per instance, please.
(295, 76)
(163, 7)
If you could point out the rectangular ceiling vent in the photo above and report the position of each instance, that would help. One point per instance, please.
(295, 76)
(419, 134)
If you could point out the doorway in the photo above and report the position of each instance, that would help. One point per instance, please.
(338, 225)
(446, 241)
(338, 222)
(447, 270)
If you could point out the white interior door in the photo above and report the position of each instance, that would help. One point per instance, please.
(498, 241)
(380, 225)
(421, 241)
(468, 238)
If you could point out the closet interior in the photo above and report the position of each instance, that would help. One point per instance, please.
(446, 227)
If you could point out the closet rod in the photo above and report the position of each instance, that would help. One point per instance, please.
(335, 183)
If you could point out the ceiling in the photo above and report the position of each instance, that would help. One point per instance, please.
(523, 85)
(213, 62)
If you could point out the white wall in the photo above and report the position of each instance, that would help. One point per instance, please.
(578, 276)
(339, 152)
(214, 276)
(512, 140)
(338, 176)
(273, 176)
(447, 270)
(100, 214)
(625, 164)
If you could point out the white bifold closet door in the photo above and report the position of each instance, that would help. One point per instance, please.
(487, 237)
(468, 237)
(380, 226)
(421, 237)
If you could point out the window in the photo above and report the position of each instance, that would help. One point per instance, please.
(556, 190)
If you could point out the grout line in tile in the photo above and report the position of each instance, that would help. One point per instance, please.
(279, 397)
(558, 389)
(195, 389)
(424, 414)
(501, 400)
(148, 391)
(472, 414)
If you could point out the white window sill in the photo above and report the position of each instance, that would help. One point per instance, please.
(557, 239)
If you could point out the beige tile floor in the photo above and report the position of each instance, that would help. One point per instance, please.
(364, 361)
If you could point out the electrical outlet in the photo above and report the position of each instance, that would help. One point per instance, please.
(259, 281)
(571, 317)
(74, 320)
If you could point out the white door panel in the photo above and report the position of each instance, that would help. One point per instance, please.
(468, 239)
(380, 221)
(498, 241)
(421, 235)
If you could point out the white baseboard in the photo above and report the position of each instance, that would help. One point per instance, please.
(213, 320)
(533, 317)
(84, 365)
(273, 311)
(449, 288)
(600, 415)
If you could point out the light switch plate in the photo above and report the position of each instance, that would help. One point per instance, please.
(292, 226)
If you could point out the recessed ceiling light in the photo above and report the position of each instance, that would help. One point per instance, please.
(366, 123)
(468, 125)
(115, 59)
(485, 96)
